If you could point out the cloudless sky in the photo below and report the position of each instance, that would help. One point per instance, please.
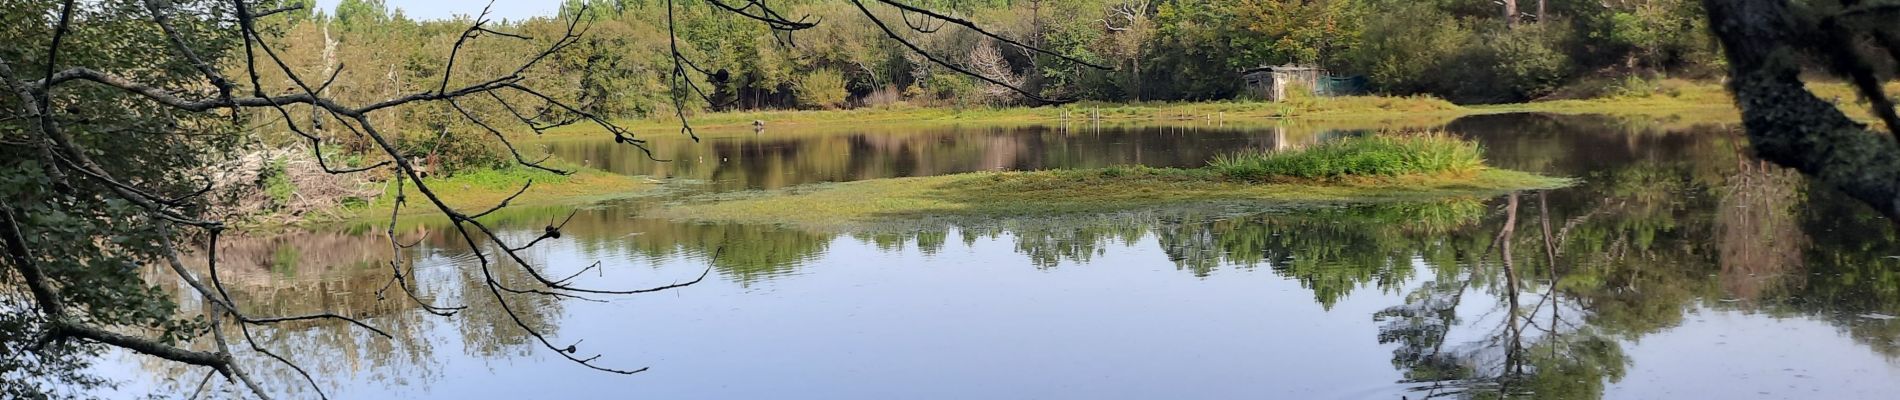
(441, 9)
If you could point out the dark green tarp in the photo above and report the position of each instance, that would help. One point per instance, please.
(1341, 85)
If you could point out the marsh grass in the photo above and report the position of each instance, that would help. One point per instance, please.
(1432, 153)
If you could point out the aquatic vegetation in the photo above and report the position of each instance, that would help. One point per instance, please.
(1371, 156)
(1357, 169)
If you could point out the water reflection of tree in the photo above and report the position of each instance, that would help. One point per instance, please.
(1853, 278)
(333, 273)
(1664, 223)
(1078, 241)
(1533, 350)
(303, 273)
(747, 253)
(1329, 251)
(487, 329)
(1625, 255)
(1757, 233)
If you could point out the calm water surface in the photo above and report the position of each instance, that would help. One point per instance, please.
(1677, 269)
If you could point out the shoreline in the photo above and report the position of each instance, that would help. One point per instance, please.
(980, 196)
(482, 189)
(1699, 101)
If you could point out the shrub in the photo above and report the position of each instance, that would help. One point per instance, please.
(464, 148)
(275, 178)
(1419, 48)
(951, 89)
(886, 96)
(1369, 156)
(1513, 65)
(1410, 46)
(823, 88)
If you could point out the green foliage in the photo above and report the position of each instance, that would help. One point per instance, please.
(1407, 55)
(1158, 49)
(1372, 156)
(87, 241)
(1460, 51)
(1195, 52)
(453, 153)
(1431, 51)
(276, 182)
(1509, 66)
(362, 13)
(284, 260)
(823, 88)
(1636, 86)
(1661, 35)
(957, 89)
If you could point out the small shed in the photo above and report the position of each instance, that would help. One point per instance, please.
(1271, 82)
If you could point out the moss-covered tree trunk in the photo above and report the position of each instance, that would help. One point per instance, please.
(1789, 125)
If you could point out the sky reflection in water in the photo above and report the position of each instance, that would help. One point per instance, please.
(1678, 269)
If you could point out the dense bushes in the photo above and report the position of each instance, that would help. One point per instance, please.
(1502, 66)
(823, 88)
(1408, 55)
(1433, 52)
(1159, 49)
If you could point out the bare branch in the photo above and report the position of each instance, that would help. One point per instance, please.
(946, 64)
(973, 28)
(504, 141)
(766, 15)
(1848, 61)
(59, 150)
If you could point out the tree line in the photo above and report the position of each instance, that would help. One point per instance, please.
(1042, 50)
(1464, 50)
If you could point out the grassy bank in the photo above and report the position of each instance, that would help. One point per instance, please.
(1675, 100)
(1685, 100)
(1356, 170)
(1369, 110)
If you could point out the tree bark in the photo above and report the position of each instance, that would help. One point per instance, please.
(1788, 125)
(1510, 13)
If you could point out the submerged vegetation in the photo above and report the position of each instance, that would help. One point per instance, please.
(1360, 169)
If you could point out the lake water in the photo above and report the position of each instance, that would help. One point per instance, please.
(1678, 268)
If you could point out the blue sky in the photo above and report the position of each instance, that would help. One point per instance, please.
(438, 9)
